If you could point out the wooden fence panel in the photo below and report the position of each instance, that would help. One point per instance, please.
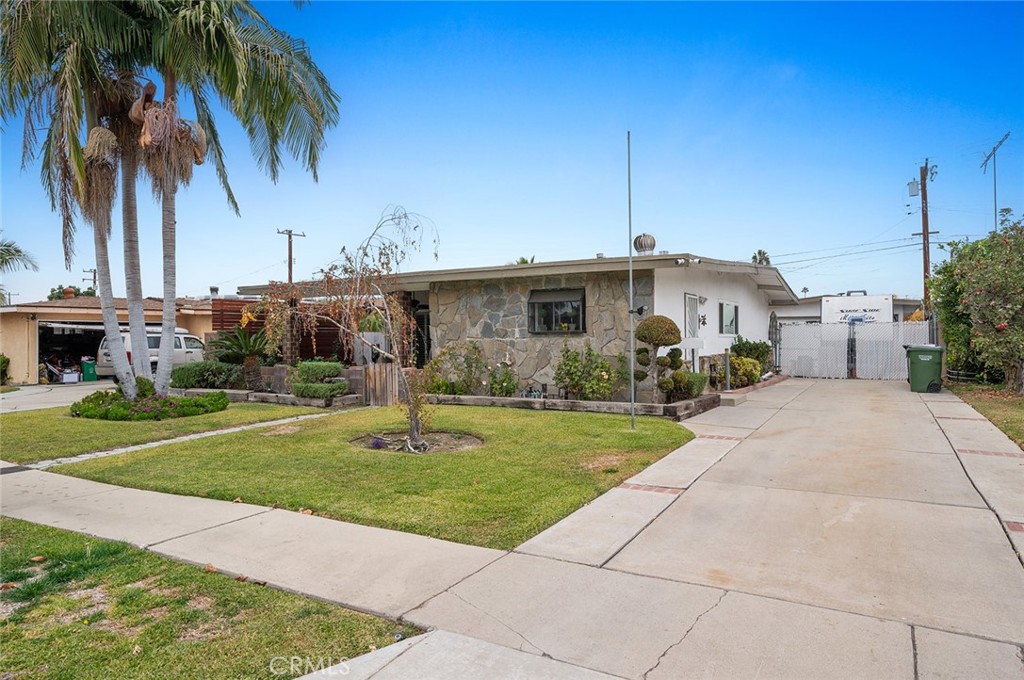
(380, 385)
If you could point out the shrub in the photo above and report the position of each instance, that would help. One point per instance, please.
(665, 384)
(675, 358)
(643, 359)
(639, 375)
(317, 371)
(585, 375)
(663, 362)
(658, 331)
(504, 380)
(319, 390)
(114, 406)
(5, 362)
(687, 385)
(743, 371)
(208, 375)
(760, 351)
(459, 368)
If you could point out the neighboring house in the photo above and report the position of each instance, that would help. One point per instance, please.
(73, 327)
(523, 313)
(809, 310)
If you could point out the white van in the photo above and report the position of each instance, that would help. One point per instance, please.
(187, 348)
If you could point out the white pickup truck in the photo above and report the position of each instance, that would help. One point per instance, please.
(187, 348)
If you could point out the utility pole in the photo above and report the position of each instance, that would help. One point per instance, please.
(290, 346)
(984, 167)
(289, 233)
(927, 172)
(93, 279)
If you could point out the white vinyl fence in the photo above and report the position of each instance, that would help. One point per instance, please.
(831, 350)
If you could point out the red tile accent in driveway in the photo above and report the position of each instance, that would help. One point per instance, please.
(649, 487)
(1015, 526)
(959, 418)
(719, 436)
(1004, 454)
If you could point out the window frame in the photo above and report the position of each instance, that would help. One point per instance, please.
(721, 318)
(553, 297)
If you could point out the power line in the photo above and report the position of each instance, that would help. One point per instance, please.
(859, 252)
(857, 245)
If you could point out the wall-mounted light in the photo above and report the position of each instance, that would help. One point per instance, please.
(639, 311)
(702, 300)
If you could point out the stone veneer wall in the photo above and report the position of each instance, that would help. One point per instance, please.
(494, 314)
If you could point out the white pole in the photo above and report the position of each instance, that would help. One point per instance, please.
(629, 249)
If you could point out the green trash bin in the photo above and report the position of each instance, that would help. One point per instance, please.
(88, 371)
(924, 367)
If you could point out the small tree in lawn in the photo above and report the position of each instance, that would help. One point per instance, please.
(658, 331)
(357, 291)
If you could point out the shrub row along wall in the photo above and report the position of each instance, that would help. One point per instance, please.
(679, 410)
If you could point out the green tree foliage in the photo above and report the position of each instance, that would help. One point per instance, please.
(57, 293)
(989, 277)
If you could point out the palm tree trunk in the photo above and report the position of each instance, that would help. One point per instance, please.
(168, 194)
(101, 234)
(115, 344)
(252, 373)
(132, 273)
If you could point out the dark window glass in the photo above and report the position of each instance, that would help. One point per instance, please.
(557, 311)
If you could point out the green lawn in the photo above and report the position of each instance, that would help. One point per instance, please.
(534, 468)
(100, 609)
(30, 436)
(1005, 410)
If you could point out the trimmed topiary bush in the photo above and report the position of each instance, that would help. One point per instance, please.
(320, 390)
(318, 371)
(658, 331)
(114, 406)
(216, 375)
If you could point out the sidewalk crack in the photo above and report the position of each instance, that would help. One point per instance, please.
(502, 624)
(680, 641)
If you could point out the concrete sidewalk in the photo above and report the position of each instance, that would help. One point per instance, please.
(820, 529)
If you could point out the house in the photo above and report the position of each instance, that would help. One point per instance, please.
(523, 313)
(72, 328)
(830, 308)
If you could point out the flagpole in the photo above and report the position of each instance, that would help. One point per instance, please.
(629, 249)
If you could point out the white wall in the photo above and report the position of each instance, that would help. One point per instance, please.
(670, 285)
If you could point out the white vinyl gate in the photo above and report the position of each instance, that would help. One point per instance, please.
(837, 350)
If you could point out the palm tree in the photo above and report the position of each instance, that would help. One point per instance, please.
(12, 258)
(247, 348)
(56, 69)
(264, 77)
(761, 257)
(805, 290)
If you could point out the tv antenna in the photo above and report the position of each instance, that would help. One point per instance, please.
(984, 167)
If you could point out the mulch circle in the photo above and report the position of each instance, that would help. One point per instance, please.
(440, 442)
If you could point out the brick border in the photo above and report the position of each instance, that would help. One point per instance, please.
(720, 437)
(1004, 454)
(650, 487)
(1015, 526)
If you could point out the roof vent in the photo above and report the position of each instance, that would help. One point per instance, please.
(600, 256)
(644, 244)
(214, 291)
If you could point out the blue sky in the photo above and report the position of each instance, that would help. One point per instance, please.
(787, 127)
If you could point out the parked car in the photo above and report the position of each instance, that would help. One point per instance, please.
(187, 348)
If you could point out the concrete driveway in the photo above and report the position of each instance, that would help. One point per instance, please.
(820, 529)
(32, 397)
